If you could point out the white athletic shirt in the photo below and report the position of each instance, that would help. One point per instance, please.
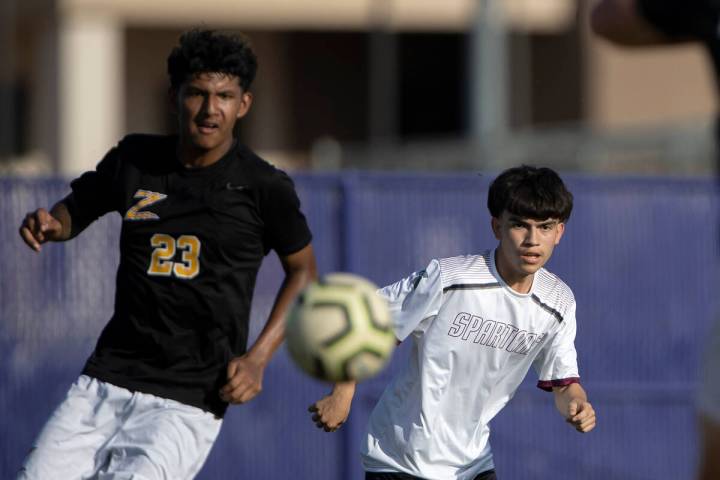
(473, 341)
(709, 397)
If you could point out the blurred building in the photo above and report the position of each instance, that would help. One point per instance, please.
(400, 84)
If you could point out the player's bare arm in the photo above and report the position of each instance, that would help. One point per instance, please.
(620, 22)
(245, 373)
(710, 461)
(572, 403)
(41, 226)
(331, 411)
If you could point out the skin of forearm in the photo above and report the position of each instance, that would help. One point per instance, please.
(620, 22)
(710, 461)
(344, 388)
(565, 395)
(273, 334)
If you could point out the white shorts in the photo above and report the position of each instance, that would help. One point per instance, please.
(103, 432)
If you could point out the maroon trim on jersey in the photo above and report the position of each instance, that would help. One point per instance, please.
(548, 385)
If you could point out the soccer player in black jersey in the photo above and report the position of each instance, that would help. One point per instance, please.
(199, 212)
(660, 22)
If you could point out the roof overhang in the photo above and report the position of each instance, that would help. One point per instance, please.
(401, 15)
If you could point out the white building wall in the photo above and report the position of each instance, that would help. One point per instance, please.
(91, 99)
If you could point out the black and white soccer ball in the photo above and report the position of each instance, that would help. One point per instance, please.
(340, 329)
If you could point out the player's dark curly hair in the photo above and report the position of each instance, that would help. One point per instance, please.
(530, 192)
(207, 51)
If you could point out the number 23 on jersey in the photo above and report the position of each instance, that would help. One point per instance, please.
(165, 248)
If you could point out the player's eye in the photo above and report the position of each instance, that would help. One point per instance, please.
(191, 91)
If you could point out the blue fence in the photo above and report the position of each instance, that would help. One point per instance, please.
(640, 255)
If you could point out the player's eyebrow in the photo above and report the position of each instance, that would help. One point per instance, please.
(524, 221)
(548, 223)
(517, 219)
(194, 89)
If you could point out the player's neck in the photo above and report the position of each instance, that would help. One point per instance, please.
(192, 157)
(520, 284)
(518, 281)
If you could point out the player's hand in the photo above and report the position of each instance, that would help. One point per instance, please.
(581, 415)
(245, 377)
(331, 411)
(39, 227)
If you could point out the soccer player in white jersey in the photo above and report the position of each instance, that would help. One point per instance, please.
(477, 323)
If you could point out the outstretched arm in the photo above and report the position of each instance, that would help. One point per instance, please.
(331, 411)
(621, 22)
(710, 460)
(245, 373)
(571, 401)
(41, 226)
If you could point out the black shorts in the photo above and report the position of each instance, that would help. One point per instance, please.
(487, 475)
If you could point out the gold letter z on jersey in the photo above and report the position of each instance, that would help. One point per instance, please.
(147, 198)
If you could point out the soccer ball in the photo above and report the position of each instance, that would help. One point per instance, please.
(340, 329)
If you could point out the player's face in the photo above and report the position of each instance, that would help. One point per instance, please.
(208, 106)
(525, 246)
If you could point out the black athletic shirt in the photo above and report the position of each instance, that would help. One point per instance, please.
(191, 243)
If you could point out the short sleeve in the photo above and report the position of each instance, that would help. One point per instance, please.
(556, 364)
(682, 18)
(286, 229)
(414, 299)
(709, 395)
(94, 193)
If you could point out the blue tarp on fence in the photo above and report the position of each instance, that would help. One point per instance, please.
(640, 254)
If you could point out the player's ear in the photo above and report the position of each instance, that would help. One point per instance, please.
(560, 231)
(245, 103)
(495, 224)
(172, 99)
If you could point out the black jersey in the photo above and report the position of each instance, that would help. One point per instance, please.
(191, 244)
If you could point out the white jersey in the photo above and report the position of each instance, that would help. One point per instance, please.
(473, 341)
